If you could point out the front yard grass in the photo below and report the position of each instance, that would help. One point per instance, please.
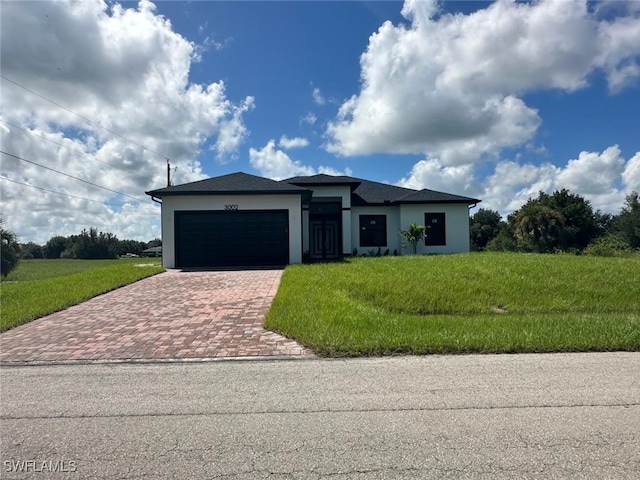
(481, 302)
(40, 287)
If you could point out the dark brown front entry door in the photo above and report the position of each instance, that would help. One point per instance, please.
(325, 231)
(325, 239)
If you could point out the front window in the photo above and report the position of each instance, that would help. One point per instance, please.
(373, 230)
(436, 231)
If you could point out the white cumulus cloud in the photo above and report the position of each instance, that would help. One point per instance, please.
(277, 165)
(296, 142)
(592, 173)
(318, 97)
(603, 178)
(631, 173)
(309, 119)
(450, 86)
(432, 174)
(597, 176)
(127, 71)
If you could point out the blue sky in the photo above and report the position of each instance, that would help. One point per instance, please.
(491, 100)
(280, 52)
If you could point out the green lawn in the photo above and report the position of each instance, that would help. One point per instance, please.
(40, 287)
(484, 302)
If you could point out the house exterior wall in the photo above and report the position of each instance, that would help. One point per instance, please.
(456, 221)
(333, 191)
(346, 228)
(171, 204)
(305, 231)
(393, 227)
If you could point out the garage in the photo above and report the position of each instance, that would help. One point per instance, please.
(236, 220)
(221, 238)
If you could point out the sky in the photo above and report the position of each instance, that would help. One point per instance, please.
(492, 100)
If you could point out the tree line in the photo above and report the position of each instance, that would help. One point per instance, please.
(561, 222)
(87, 245)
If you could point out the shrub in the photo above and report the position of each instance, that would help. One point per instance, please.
(610, 245)
(503, 241)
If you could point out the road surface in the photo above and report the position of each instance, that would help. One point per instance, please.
(475, 416)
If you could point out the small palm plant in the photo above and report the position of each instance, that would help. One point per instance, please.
(413, 236)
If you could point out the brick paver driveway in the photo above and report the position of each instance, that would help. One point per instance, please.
(173, 315)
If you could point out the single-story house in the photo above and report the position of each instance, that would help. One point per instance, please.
(246, 220)
(152, 252)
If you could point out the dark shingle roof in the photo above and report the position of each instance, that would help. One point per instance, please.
(431, 196)
(366, 192)
(376, 193)
(323, 179)
(231, 184)
(363, 192)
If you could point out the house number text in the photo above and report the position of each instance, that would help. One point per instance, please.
(231, 207)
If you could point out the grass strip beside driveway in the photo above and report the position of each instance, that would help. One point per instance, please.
(484, 303)
(41, 287)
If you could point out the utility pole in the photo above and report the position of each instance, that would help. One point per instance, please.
(168, 173)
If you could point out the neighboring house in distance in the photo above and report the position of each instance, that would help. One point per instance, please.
(246, 220)
(152, 252)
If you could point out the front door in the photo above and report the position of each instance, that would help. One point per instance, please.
(325, 231)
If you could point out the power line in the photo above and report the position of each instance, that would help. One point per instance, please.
(88, 120)
(79, 152)
(66, 194)
(70, 176)
(83, 118)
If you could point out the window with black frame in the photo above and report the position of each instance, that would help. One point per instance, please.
(436, 229)
(373, 230)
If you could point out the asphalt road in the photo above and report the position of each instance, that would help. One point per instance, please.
(493, 416)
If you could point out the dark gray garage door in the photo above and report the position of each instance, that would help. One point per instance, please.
(232, 238)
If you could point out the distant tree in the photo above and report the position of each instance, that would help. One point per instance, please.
(91, 244)
(609, 245)
(580, 222)
(604, 223)
(31, 250)
(122, 247)
(55, 246)
(537, 227)
(559, 222)
(484, 225)
(627, 223)
(413, 236)
(9, 250)
(156, 242)
(504, 241)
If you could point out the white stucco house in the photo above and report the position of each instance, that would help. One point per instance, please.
(246, 220)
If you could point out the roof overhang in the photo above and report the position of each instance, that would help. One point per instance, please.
(305, 194)
(470, 201)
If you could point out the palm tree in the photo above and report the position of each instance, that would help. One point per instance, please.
(413, 236)
(9, 249)
(538, 226)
